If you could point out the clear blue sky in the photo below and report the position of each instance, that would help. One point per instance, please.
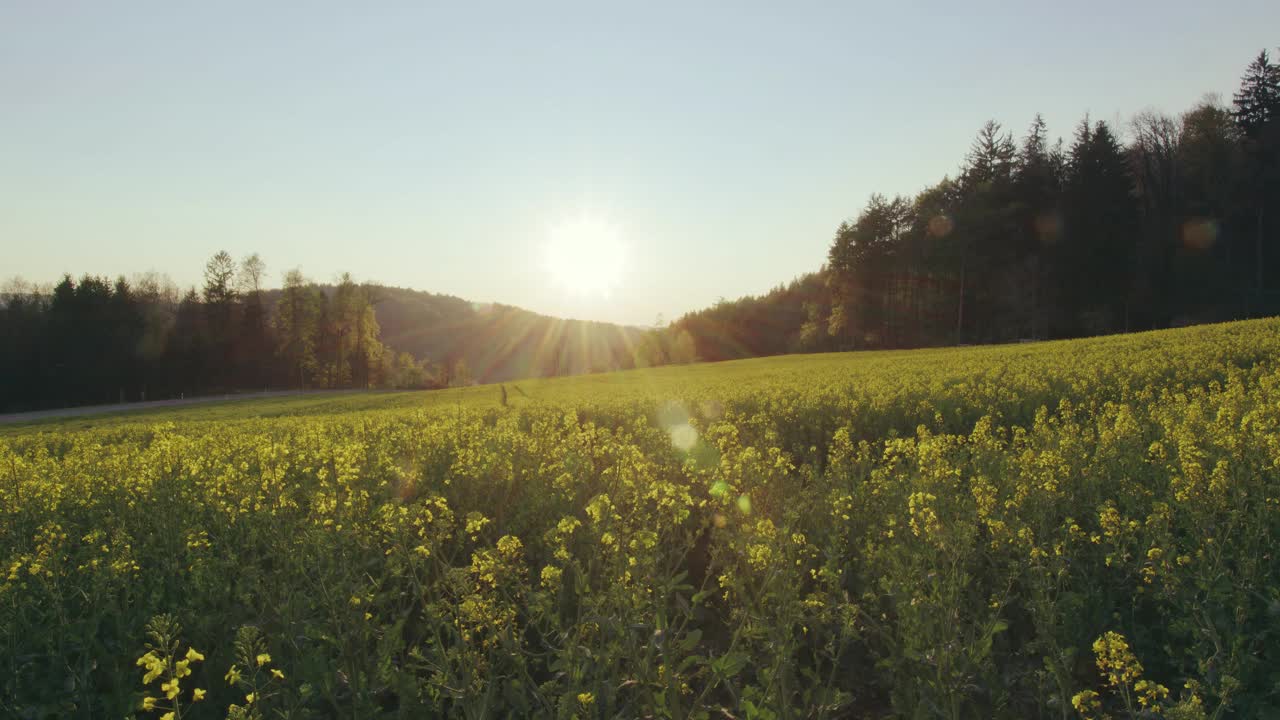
(432, 145)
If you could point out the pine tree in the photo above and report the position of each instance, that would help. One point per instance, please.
(1100, 228)
(864, 272)
(1037, 184)
(1257, 103)
(188, 358)
(984, 232)
(1257, 113)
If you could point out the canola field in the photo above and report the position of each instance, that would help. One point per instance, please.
(1050, 530)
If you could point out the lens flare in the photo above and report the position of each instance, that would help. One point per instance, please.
(1200, 233)
(941, 226)
(1048, 227)
(674, 417)
(683, 436)
(711, 409)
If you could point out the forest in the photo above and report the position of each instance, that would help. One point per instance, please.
(102, 341)
(1166, 221)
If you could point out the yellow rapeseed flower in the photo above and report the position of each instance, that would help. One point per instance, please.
(155, 667)
(1086, 703)
(509, 546)
(551, 576)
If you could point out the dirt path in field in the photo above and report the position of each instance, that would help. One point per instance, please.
(127, 407)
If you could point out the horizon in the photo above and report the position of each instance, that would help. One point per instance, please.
(437, 150)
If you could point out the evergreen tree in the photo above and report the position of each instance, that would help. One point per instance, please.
(1037, 186)
(1100, 226)
(866, 286)
(188, 355)
(1257, 102)
(984, 233)
(934, 254)
(125, 323)
(23, 355)
(1257, 113)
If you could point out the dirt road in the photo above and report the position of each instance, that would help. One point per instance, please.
(150, 404)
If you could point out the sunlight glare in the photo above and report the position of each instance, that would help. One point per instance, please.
(585, 255)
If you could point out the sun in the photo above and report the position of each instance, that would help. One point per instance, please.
(585, 255)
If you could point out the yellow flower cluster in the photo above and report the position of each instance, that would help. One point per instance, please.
(924, 521)
(162, 663)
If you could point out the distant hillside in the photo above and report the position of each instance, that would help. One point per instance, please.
(497, 342)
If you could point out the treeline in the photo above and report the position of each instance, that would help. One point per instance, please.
(101, 341)
(1177, 223)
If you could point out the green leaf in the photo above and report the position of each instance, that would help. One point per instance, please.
(730, 664)
(691, 640)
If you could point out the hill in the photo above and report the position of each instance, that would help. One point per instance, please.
(499, 342)
(495, 342)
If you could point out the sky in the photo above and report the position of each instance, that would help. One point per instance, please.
(480, 149)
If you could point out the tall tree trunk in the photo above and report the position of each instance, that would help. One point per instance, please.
(1258, 259)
